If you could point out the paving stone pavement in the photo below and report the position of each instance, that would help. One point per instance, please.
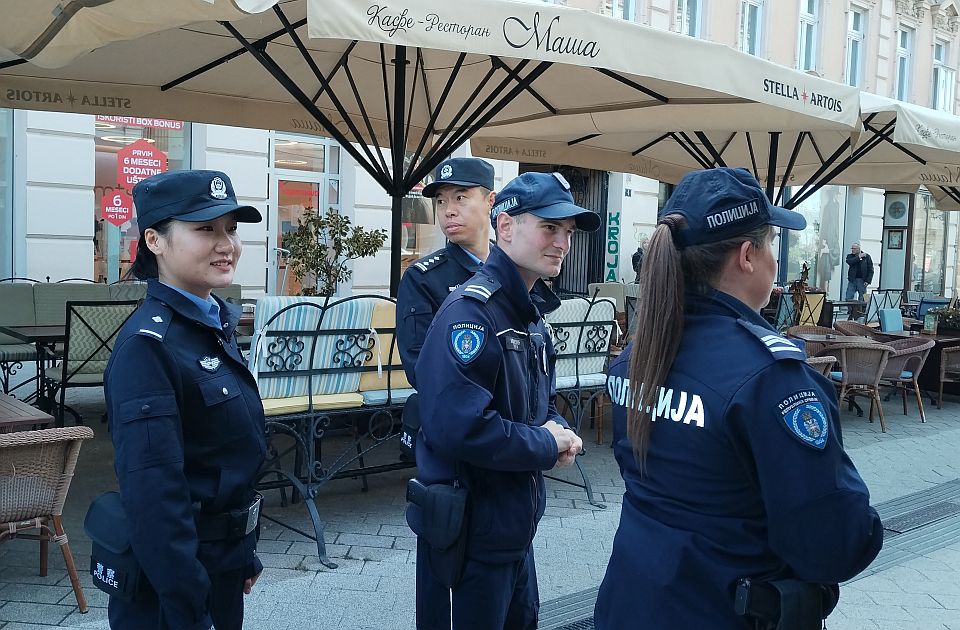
(366, 535)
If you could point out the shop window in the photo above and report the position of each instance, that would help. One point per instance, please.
(944, 78)
(6, 193)
(751, 25)
(808, 35)
(129, 149)
(821, 244)
(928, 254)
(308, 179)
(904, 63)
(688, 17)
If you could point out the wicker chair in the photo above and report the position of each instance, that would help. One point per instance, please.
(949, 370)
(904, 366)
(812, 347)
(861, 367)
(822, 364)
(857, 329)
(36, 468)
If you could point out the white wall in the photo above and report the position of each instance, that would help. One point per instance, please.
(634, 200)
(53, 193)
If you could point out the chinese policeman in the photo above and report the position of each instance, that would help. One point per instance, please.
(185, 415)
(489, 422)
(737, 484)
(463, 190)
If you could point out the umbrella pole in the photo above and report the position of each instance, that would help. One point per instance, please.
(396, 242)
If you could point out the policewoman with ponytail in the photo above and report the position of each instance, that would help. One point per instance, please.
(185, 417)
(742, 510)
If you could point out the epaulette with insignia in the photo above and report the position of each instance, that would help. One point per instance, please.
(481, 288)
(780, 347)
(430, 262)
(153, 321)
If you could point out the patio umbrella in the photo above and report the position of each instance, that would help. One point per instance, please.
(904, 146)
(420, 79)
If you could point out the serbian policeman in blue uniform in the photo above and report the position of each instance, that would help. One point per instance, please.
(736, 468)
(185, 414)
(463, 190)
(486, 378)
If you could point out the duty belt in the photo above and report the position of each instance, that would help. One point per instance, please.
(231, 525)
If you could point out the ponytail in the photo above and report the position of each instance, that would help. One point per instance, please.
(666, 274)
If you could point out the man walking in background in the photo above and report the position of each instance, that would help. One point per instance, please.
(859, 273)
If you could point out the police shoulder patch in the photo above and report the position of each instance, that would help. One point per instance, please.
(152, 320)
(481, 288)
(467, 340)
(805, 418)
(779, 347)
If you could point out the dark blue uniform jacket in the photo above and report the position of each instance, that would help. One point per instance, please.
(486, 381)
(423, 288)
(746, 476)
(188, 431)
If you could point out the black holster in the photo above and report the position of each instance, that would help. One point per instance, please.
(445, 512)
(786, 604)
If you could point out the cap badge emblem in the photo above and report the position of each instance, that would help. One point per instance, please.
(210, 364)
(218, 188)
(563, 180)
(446, 172)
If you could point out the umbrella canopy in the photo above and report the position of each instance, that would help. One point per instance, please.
(905, 146)
(420, 79)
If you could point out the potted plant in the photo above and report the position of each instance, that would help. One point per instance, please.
(321, 247)
(948, 319)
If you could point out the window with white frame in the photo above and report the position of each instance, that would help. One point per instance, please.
(689, 14)
(750, 25)
(904, 62)
(944, 78)
(856, 36)
(622, 9)
(808, 35)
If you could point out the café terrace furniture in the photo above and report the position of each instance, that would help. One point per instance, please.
(812, 347)
(861, 368)
(949, 370)
(823, 364)
(582, 332)
(16, 415)
(859, 330)
(904, 366)
(881, 299)
(36, 468)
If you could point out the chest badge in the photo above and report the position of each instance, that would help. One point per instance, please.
(210, 364)
(466, 340)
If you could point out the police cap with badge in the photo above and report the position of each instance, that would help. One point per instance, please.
(192, 195)
(721, 203)
(463, 172)
(545, 195)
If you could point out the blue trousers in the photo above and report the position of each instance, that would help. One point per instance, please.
(226, 606)
(856, 286)
(489, 597)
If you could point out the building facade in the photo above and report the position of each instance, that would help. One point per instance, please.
(64, 178)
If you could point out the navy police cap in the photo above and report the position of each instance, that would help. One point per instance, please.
(546, 195)
(721, 203)
(191, 195)
(461, 171)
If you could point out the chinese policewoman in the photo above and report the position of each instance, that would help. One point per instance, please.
(185, 416)
(740, 501)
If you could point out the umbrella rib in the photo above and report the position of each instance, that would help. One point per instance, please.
(298, 42)
(589, 136)
(366, 120)
(435, 113)
(633, 84)
(700, 160)
(325, 84)
(386, 96)
(886, 136)
(479, 119)
(63, 14)
(793, 160)
(12, 63)
(813, 186)
(455, 121)
(691, 148)
(717, 156)
(290, 85)
(413, 98)
(550, 108)
(753, 154)
(650, 144)
(263, 41)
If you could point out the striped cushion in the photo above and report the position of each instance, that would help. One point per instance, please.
(17, 352)
(297, 404)
(384, 316)
(379, 396)
(586, 380)
(292, 352)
